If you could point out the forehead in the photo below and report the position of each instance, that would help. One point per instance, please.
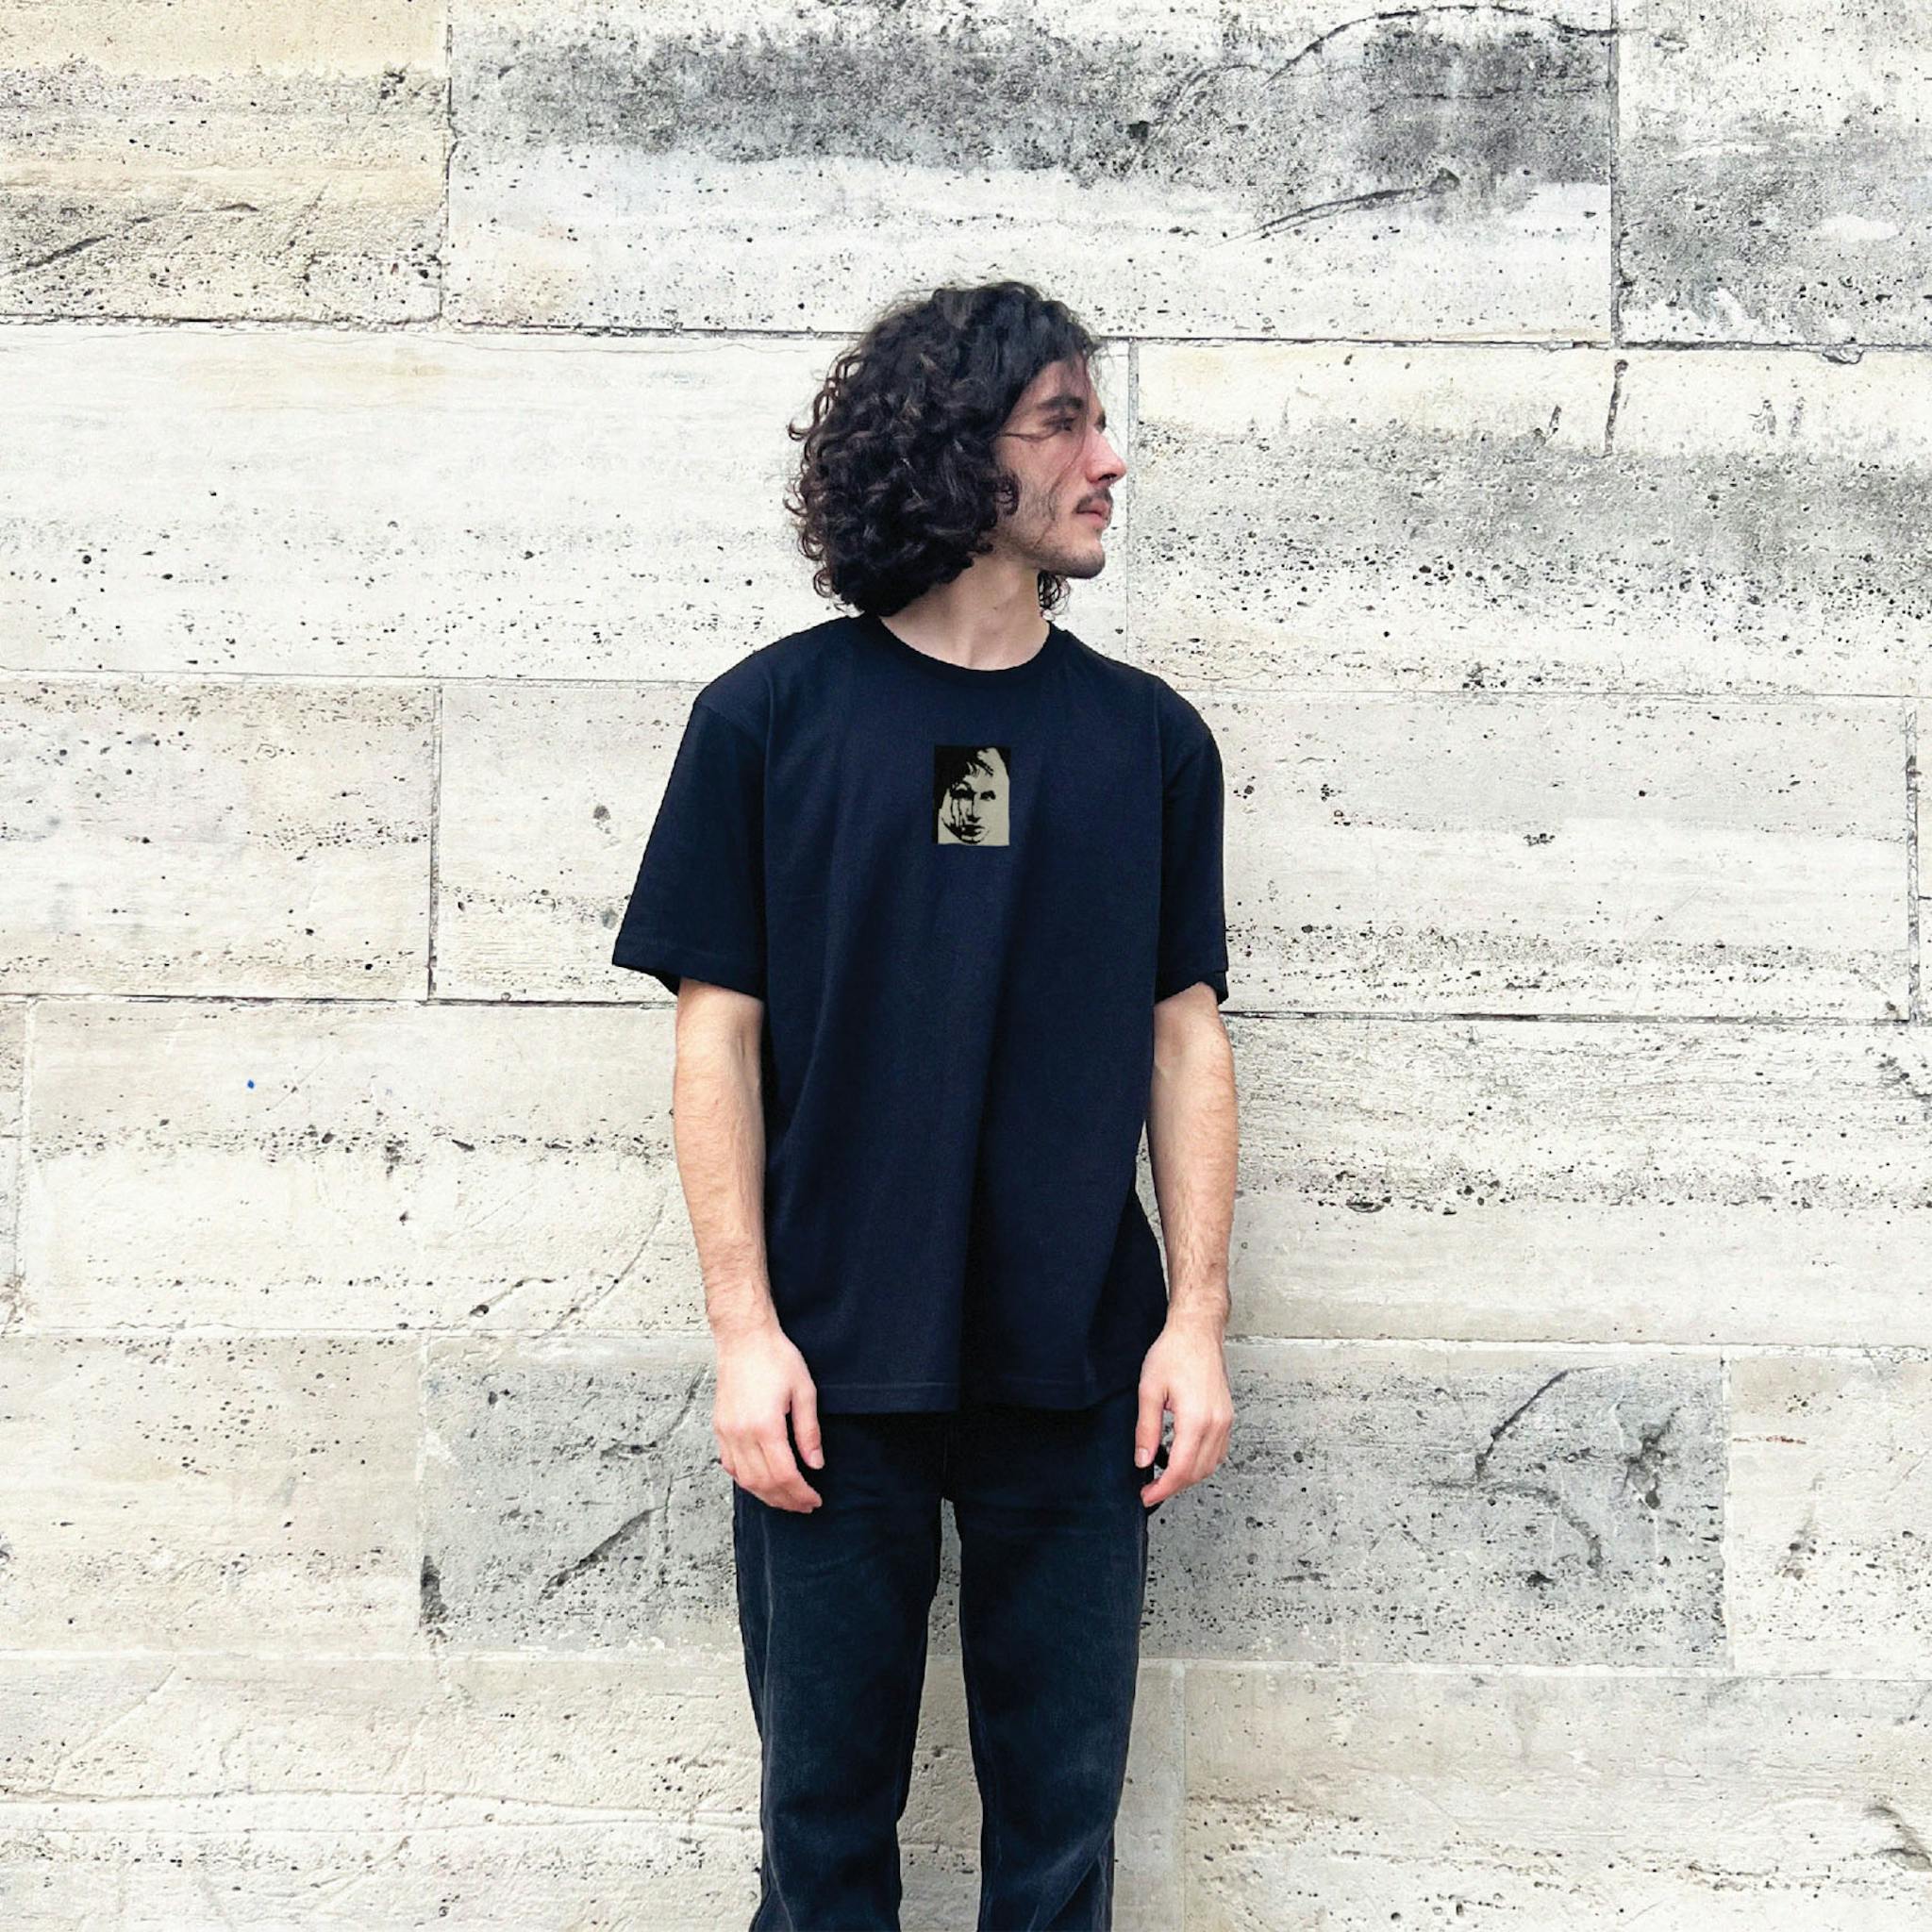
(1060, 385)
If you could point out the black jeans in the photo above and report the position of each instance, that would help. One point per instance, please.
(833, 1603)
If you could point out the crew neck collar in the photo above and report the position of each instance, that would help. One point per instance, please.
(999, 677)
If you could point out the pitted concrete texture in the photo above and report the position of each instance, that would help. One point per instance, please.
(1830, 1484)
(257, 836)
(1556, 853)
(12, 1078)
(1436, 1506)
(1356, 1797)
(1691, 1184)
(222, 160)
(573, 1496)
(531, 881)
(475, 1780)
(397, 503)
(355, 1165)
(199, 1494)
(1435, 171)
(574, 1499)
(1528, 428)
(1772, 157)
(1531, 519)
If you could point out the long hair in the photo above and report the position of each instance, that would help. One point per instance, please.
(952, 762)
(899, 485)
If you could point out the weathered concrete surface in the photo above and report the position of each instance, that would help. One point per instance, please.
(346, 1863)
(222, 160)
(1174, 168)
(364, 1555)
(1922, 734)
(1772, 160)
(398, 505)
(1597, 1181)
(1829, 1519)
(572, 1496)
(12, 1078)
(574, 1499)
(533, 874)
(1513, 854)
(1532, 518)
(1453, 1507)
(1555, 1800)
(378, 1790)
(337, 1166)
(240, 836)
(1616, 855)
(175, 1494)
(648, 1764)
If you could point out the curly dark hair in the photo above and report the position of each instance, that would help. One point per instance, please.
(898, 485)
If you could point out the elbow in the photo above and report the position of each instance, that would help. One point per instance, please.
(1187, 1026)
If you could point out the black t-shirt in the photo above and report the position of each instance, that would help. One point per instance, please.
(958, 893)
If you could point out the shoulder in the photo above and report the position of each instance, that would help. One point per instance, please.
(752, 692)
(1184, 733)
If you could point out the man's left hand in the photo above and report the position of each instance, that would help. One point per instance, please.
(1183, 1372)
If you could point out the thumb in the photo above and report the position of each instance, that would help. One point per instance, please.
(1148, 1425)
(805, 1424)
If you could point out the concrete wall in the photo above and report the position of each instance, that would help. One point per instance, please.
(1529, 415)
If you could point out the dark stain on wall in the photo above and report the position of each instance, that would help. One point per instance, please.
(1749, 238)
(1471, 104)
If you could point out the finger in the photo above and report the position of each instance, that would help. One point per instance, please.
(1182, 1458)
(1162, 1487)
(1147, 1423)
(790, 1489)
(750, 1476)
(1183, 1469)
(1185, 1453)
(805, 1424)
(754, 1471)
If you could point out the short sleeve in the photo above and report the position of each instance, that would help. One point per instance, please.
(698, 904)
(1193, 924)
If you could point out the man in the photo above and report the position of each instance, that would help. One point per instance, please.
(939, 889)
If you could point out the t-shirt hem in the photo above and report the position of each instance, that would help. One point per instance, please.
(668, 962)
(833, 1396)
(1213, 974)
(1026, 1392)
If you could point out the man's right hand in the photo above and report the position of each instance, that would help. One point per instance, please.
(762, 1379)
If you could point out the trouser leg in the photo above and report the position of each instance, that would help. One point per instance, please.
(833, 1607)
(1052, 1570)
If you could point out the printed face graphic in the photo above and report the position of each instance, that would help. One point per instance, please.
(971, 787)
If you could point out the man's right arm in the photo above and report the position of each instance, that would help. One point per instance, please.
(719, 1135)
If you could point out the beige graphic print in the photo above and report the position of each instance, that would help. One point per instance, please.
(971, 787)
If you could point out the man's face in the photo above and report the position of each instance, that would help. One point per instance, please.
(973, 809)
(1056, 445)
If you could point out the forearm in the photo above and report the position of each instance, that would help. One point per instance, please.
(1192, 1139)
(718, 1130)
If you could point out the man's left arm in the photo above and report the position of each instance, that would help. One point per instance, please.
(1192, 1139)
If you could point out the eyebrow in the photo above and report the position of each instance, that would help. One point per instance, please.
(1067, 400)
